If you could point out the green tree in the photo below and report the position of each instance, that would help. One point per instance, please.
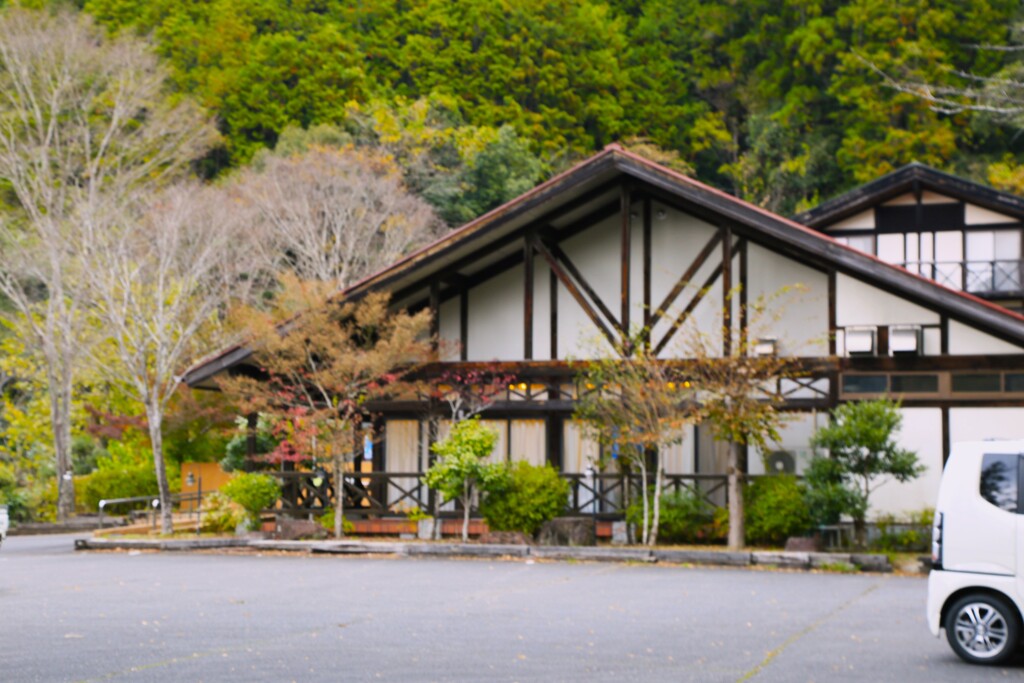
(861, 442)
(637, 405)
(461, 471)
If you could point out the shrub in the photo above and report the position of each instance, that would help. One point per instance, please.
(254, 492)
(326, 520)
(220, 513)
(916, 538)
(114, 479)
(686, 517)
(525, 499)
(775, 509)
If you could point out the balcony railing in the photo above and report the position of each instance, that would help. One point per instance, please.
(999, 277)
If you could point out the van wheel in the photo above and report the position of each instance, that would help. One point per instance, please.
(982, 629)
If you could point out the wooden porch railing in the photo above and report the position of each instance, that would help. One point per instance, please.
(383, 494)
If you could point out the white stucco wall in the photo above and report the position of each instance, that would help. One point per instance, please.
(496, 318)
(921, 432)
(799, 317)
(858, 303)
(965, 340)
(595, 253)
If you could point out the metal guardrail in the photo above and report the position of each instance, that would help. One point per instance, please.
(153, 504)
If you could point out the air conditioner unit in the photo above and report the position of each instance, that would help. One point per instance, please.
(905, 340)
(860, 341)
(780, 462)
(766, 346)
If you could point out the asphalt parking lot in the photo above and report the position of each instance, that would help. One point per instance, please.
(67, 616)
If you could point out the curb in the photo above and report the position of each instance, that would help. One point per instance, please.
(779, 559)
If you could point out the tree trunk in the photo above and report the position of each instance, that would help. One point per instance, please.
(467, 502)
(658, 476)
(154, 415)
(646, 501)
(339, 494)
(736, 468)
(60, 419)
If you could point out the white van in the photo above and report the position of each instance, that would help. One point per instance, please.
(976, 585)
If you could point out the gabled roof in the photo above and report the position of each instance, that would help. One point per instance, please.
(569, 196)
(913, 177)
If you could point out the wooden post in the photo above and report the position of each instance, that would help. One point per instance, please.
(647, 273)
(528, 297)
(553, 297)
(464, 324)
(627, 237)
(726, 287)
(435, 315)
(832, 312)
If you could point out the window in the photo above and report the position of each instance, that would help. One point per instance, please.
(999, 480)
(915, 384)
(865, 384)
(975, 383)
(1014, 381)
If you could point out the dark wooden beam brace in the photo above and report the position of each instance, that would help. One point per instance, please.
(944, 334)
(626, 243)
(464, 325)
(553, 303)
(726, 291)
(684, 280)
(744, 320)
(832, 312)
(528, 296)
(435, 314)
(567, 282)
(688, 310)
(452, 270)
(647, 272)
(557, 252)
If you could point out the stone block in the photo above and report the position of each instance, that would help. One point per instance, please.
(291, 529)
(783, 559)
(804, 544)
(705, 557)
(571, 531)
(505, 538)
(620, 533)
(869, 562)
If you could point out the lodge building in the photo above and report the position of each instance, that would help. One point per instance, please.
(618, 243)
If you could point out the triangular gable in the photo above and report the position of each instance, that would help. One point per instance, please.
(909, 185)
(599, 189)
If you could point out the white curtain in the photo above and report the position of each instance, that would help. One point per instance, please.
(403, 446)
(527, 441)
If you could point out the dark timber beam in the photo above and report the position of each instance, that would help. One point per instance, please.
(626, 239)
(553, 297)
(697, 298)
(464, 325)
(557, 252)
(567, 282)
(435, 314)
(647, 272)
(684, 280)
(726, 291)
(528, 296)
(832, 312)
(744, 320)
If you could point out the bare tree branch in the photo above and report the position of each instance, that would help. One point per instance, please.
(82, 124)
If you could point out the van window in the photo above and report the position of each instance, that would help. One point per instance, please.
(999, 480)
